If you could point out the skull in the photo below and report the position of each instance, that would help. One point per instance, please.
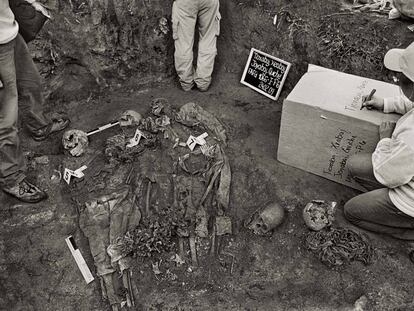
(75, 141)
(130, 117)
(319, 214)
(158, 106)
(266, 219)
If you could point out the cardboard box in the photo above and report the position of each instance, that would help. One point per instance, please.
(322, 124)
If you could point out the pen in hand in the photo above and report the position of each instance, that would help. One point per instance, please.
(368, 98)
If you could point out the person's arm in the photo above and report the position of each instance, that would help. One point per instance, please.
(39, 7)
(393, 162)
(399, 104)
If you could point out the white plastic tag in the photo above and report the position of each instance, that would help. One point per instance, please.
(134, 141)
(191, 142)
(67, 175)
(200, 139)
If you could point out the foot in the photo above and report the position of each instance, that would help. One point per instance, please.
(26, 192)
(57, 124)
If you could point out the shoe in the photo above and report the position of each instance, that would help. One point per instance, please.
(203, 89)
(187, 87)
(26, 192)
(57, 124)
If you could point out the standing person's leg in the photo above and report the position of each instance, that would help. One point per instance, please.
(209, 20)
(184, 18)
(374, 211)
(12, 169)
(11, 159)
(29, 88)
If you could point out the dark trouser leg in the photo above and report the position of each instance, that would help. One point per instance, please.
(29, 88)
(374, 211)
(360, 167)
(11, 158)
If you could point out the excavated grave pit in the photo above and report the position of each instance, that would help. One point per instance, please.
(124, 46)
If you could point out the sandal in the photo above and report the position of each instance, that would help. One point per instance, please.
(57, 124)
(26, 192)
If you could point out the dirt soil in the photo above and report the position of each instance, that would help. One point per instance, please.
(262, 273)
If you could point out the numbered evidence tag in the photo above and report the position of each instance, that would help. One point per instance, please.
(134, 141)
(192, 141)
(67, 175)
(80, 261)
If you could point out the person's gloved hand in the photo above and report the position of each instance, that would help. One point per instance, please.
(375, 102)
(39, 7)
(386, 129)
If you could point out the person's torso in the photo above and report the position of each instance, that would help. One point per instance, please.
(404, 129)
(403, 196)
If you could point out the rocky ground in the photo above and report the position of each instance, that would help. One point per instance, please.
(99, 60)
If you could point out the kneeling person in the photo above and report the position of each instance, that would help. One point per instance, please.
(389, 172)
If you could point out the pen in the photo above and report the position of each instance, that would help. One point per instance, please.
(368, 98)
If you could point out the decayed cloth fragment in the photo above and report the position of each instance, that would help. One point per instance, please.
(192, 114)
(220, 171)
(116, 150)
(339, 245)
(223, 191)
(103, 221)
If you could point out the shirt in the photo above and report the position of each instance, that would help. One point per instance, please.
(8, 25)
(393, 158)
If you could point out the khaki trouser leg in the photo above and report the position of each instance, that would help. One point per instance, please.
(209, 21)
(184, 17)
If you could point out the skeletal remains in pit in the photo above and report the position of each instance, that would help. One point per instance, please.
(75, 141)
(319, 214)
(265, 219)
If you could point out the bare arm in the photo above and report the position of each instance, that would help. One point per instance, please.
(39, 7)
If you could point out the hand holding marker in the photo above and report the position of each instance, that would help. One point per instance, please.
(368, 98)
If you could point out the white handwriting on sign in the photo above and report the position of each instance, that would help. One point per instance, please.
(252, 72)
(275, 74)
(260, 67)
(269, 72)
(278, 66)
(262, 58)
(342, 146)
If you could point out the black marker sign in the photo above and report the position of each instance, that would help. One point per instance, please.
(265, 73)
